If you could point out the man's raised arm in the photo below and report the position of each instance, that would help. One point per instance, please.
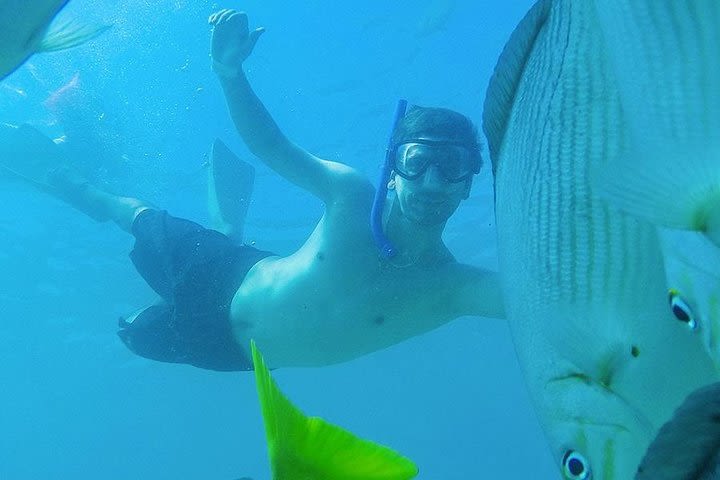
(232, 44)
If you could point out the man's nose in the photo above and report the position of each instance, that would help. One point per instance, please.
(433, 179)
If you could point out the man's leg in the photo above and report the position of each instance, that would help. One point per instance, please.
(97, 204)
(28, 156)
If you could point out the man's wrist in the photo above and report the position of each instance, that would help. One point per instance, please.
(224, 71)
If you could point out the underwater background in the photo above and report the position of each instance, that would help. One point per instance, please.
(145, 106)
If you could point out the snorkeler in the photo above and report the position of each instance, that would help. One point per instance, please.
(354, 287)
(340, 296)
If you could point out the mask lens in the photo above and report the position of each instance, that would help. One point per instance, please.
(453, 161)
(412, 159)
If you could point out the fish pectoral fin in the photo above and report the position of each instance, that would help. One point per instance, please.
(309, 447)
(676, 188)
(69, 35)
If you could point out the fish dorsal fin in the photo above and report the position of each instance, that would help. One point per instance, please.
(305, 448)
(70, 34)
(504, 82)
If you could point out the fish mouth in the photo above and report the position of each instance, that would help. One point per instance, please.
(588, 395)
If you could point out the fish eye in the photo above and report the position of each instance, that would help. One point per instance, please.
(681, 309)
(575, 466)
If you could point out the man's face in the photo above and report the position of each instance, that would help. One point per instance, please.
(430, 199)
(432, 177)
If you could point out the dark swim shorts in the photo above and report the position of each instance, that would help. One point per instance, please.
(196, 271)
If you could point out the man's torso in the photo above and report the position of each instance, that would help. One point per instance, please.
(336, 298)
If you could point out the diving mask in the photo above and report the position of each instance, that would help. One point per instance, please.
(454, 161)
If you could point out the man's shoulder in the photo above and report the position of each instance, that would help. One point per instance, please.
(348, 181)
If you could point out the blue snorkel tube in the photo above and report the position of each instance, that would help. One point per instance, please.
(383, 243)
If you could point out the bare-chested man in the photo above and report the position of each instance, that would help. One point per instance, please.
(338, 297)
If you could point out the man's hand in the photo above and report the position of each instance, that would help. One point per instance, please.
(232, 42)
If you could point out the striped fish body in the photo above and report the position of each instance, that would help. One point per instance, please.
(666, 56)
(604, 361)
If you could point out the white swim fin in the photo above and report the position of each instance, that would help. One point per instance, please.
(230, 186)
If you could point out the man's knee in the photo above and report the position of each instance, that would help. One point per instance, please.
(132, 208)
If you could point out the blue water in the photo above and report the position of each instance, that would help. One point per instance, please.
(75, 403)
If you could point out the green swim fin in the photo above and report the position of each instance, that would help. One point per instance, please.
(230, 186)
(309, 448)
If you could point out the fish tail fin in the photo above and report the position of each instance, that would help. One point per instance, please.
(309, 447)
(70, 34)
(677, 189)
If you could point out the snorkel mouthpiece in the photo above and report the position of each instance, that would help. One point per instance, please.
(383, 243)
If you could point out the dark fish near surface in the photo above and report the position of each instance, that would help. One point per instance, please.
(24, 31)
(688, 446)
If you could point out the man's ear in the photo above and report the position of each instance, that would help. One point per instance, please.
(391, 181)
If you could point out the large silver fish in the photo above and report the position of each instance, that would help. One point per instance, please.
(24, 26)
(666, 55)
(604, 362)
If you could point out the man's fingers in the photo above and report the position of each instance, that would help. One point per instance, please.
(224, 15)
(254, 36)
(241, 18)
(238, 24)
(215, 17)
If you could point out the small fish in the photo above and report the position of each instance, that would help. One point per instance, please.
(692, 271)
(688, 445)
(666, 55)
(24, 31)
(309, 448)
